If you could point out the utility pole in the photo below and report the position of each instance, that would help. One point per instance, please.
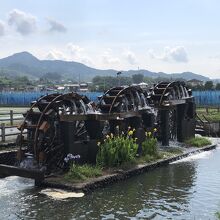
(79, 79)
(119, 79)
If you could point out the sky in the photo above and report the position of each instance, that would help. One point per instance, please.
(169, 36)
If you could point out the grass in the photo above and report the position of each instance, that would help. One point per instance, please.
(213, 115)
(218, 215)
(161, 154)
(82, 172)
(169, 152)
(198, 142)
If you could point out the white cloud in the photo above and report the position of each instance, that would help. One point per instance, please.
(74, 49)
(2, 28)
(86, 60)
(56, 55)
(70, 52)
(77, 54)
(130, 57)
(56, 26)
(108, 59)
(23, 22)
(177, 54)
(217, 56)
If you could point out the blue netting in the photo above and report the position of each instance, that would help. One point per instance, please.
(25, 98)
(209, 98)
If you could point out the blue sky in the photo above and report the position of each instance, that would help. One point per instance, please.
(169, 36)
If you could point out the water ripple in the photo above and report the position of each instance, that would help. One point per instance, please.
(186, 190)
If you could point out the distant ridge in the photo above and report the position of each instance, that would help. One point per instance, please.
(24, 63)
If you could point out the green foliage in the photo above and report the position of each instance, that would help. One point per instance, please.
(198, 142)
(211, 114)
(150, 158)
(174, 150)
(103, 83)
(51, 77)
(217, 87)
(218, 215)
(149, 145)
(137, 78)
(116, 150)
(82, 172)
(169, 152)
(208, 85)
(16, 82)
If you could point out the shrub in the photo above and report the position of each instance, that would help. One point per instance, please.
(198, 142)
(218, 215)
(149, 146)
(82, 172)
(116, 150)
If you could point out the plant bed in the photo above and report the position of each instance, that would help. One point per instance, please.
(112, 175)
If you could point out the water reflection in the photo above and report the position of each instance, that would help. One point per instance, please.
(177, 191)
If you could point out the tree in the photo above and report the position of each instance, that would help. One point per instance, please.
(51, 77)
(103, 83)
(217, 87)
(208, 85)
(137, 78)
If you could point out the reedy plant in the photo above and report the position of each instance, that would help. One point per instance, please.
(116, 150)
(149, 146)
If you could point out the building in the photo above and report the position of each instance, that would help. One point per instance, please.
(195, 82)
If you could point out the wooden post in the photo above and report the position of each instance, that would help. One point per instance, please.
(3, 131)
(207, 110)
(165, 127)
(11, 117)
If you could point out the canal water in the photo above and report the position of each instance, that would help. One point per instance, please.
(187, 189)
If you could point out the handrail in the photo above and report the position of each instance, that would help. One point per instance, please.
(209, 122)
(200, 120)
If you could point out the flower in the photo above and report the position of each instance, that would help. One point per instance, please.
(155, 130)
(148, 134)
(107, 136)
(131, 132)
(70, 157)
(99, 143)
(112, 135)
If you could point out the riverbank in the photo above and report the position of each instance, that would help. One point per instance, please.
(59, 182)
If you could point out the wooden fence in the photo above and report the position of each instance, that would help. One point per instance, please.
(208, 109)
(7, 122)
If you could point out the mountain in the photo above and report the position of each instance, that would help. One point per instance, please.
(25, 63)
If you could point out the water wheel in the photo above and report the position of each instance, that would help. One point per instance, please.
(42, 121)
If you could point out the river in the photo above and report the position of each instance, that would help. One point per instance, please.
(187, 189)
